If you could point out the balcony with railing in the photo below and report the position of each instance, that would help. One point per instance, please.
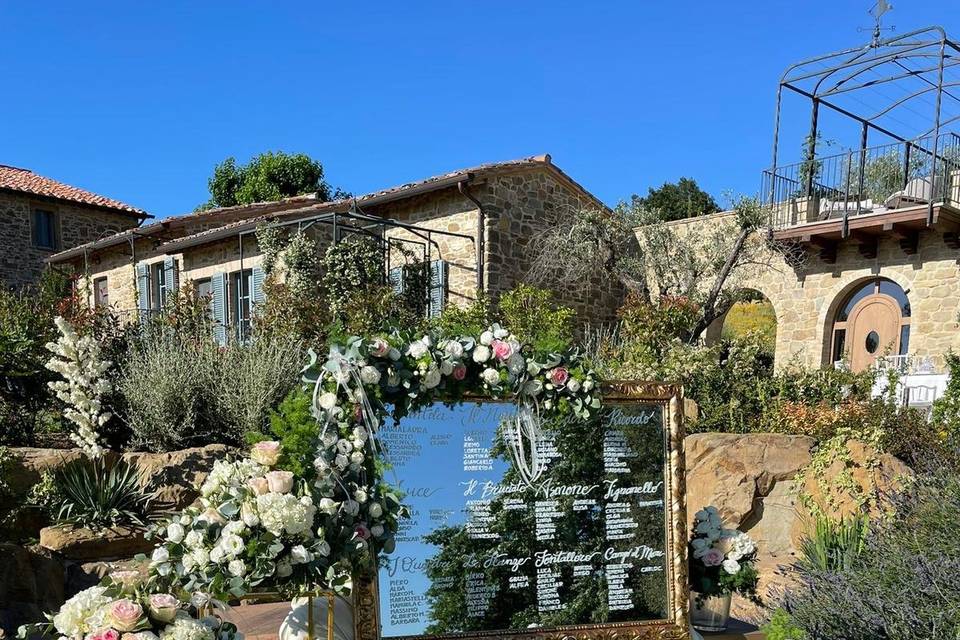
(901, 90)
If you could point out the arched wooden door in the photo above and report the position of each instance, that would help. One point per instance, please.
(873, 330)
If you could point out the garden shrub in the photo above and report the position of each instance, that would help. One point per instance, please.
(946, 410)
(535, 317)
(293, 425)
(470, 320)
(903, 583)
(782, 627)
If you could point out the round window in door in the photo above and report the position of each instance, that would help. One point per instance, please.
(872, 322)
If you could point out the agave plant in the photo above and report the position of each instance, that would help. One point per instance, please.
(97, 495)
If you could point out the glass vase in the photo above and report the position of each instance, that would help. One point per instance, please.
(710, 613)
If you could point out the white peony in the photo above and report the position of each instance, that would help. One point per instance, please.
(356, 457)
(360, 496)
(344, 446)
(82, 613)
(342, 461)
(360, 433)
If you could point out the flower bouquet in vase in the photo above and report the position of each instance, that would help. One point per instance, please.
(721, 564)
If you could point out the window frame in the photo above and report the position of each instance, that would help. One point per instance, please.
(99, 302)
(240, 301)
(53, 227)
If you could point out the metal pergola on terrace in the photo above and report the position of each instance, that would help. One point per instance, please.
(904, 88)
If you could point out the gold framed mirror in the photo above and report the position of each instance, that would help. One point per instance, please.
(595, 547)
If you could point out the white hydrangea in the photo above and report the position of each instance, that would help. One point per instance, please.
(281, 512)
(187, 629)
(84, 384)
(82, 613)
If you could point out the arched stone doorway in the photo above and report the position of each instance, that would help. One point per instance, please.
(872, 321)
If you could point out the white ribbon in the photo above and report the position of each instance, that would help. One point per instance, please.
(526, 432)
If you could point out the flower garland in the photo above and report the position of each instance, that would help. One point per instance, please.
(258, 526)
(77, 359)
(122, 609)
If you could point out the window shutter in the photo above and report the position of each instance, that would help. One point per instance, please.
(257, 296)
(396, 279)
(438, 287)
(218, 303)
(170, 277)
(143, 290)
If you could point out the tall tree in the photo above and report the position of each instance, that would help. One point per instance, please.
(676, 201)
(268, 176)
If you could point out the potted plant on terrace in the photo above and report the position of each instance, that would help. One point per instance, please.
(721, 564)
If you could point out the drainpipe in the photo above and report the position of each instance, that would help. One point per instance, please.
(462, 186)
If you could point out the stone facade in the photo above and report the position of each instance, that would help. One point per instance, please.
(806, 298)
(21, 262)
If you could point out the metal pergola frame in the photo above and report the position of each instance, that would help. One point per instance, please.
(844, 72)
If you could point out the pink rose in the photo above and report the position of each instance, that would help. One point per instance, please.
(558, 376)
(163, 607)
(104, 634)
(379, 348)
(213, 516)
(125, 614)
(459, 372)
(280, 481)
(265, 453)
(712, 558)
(362, 532)
(502, 349)
(357, 413)
(258, 485)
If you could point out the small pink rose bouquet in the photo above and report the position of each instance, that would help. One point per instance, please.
(721, 560)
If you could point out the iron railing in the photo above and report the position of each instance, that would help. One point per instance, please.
(864, 181)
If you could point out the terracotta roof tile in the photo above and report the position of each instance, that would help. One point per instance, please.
(26, 181)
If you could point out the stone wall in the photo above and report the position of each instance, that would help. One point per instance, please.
(806, 299)
(21, 263)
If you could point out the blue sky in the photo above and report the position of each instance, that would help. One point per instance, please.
(139, 101)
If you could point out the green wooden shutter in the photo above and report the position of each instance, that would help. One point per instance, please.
(257, 296)
(170, 277)
(396, 279)
(438, 287)
(143, 290)
(218, 303)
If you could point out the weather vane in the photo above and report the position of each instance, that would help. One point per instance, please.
(877, 11)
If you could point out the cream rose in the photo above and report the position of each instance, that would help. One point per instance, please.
(279, 481)
(266, 453)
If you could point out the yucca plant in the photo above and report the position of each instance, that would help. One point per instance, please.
(834, 545)
(96, 496)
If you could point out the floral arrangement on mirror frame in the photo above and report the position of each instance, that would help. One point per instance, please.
(124, 609)
(259, 527)
(722, 561)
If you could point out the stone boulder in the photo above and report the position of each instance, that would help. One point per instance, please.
(82, 544)
(750, 478)
(31, 582)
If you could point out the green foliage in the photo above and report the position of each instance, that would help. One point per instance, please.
(946, 410)
(97, 496)
(902, 584)
(350, 268)
(470, 320)
(293, 425)
(537, 319)
(267, 177)
(676, 201)
(834, 545)
(781, 627)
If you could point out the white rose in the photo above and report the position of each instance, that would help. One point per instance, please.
(327, 506)
(160, 554)
(329, 438)
(323, 548)
(573, 385)
(360, 433)
(486, 338)
(284, 569)
(588, 385)
(328, 400)
(481, 354)
(175, 532)
(232, 544)
(369, 375)
(356, 457)
(500, 334)
(352, 507)
(237, 567)
(432, 378)
(193, 539)
(453, 348)
(300, 555)
(360, 496)
(446, 367)
(217, 555)
(731, 566)
(249, 515)
(375, 510)
(491, 376)
(417, 349)
(344, 446)
(341, 461)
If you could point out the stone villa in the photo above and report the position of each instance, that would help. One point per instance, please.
(40, 216)
(471, 225)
